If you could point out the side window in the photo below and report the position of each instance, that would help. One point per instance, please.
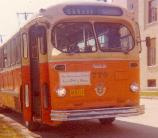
(25, 45)
(1, 58)
(14, 51)
(5, 56)
(8, 54)
(18, 49)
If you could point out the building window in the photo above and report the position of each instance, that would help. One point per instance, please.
(131, 6)
(151, 53)
(152, 11)
(152, 83)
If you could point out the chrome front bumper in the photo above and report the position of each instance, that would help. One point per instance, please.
(69, 115)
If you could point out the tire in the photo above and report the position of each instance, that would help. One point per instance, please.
(105, 121)
(32, 126)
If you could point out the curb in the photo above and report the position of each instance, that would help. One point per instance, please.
(149, 97)
(20, 128)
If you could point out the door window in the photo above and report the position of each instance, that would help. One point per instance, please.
(25, 45)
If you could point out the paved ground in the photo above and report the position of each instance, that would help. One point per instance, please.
(11, 126)
(144, 126)
(150, 118)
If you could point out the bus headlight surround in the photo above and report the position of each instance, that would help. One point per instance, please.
(61, 92)
(134, 87)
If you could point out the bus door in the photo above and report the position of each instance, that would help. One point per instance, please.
(35, 74)
(38, 72)
(34, 71)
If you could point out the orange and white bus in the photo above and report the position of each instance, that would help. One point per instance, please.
(73, 61)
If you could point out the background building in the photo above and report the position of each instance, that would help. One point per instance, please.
(146, 14)
(122, 3)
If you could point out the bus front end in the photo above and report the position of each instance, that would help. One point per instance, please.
(94, 68)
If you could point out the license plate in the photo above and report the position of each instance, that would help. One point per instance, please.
(77, 92)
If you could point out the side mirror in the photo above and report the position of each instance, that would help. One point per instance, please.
(148, 41)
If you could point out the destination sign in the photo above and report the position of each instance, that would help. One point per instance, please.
(92, 10)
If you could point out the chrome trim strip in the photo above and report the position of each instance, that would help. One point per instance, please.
(69, 115)
(90, 59)
(14, 93)
(11, 68)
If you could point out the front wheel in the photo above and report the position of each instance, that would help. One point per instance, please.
(104, 121)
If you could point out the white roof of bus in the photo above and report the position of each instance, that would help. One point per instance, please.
(60, 5)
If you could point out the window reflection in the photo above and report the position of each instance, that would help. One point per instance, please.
(113, 37)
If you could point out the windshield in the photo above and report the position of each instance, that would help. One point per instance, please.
(113, 37)
(79, 37)
(74, 38)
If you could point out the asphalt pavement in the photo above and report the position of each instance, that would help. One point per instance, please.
(143, 126)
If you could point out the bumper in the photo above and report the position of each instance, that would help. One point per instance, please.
(69, 115)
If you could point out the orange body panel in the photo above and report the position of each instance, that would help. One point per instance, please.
(116, 77)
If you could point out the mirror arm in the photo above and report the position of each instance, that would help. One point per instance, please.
(140, 41)
(140, 46)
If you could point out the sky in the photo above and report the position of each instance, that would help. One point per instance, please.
(10, 22)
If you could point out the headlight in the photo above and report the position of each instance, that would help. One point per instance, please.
(61, 92)
(134, 87)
